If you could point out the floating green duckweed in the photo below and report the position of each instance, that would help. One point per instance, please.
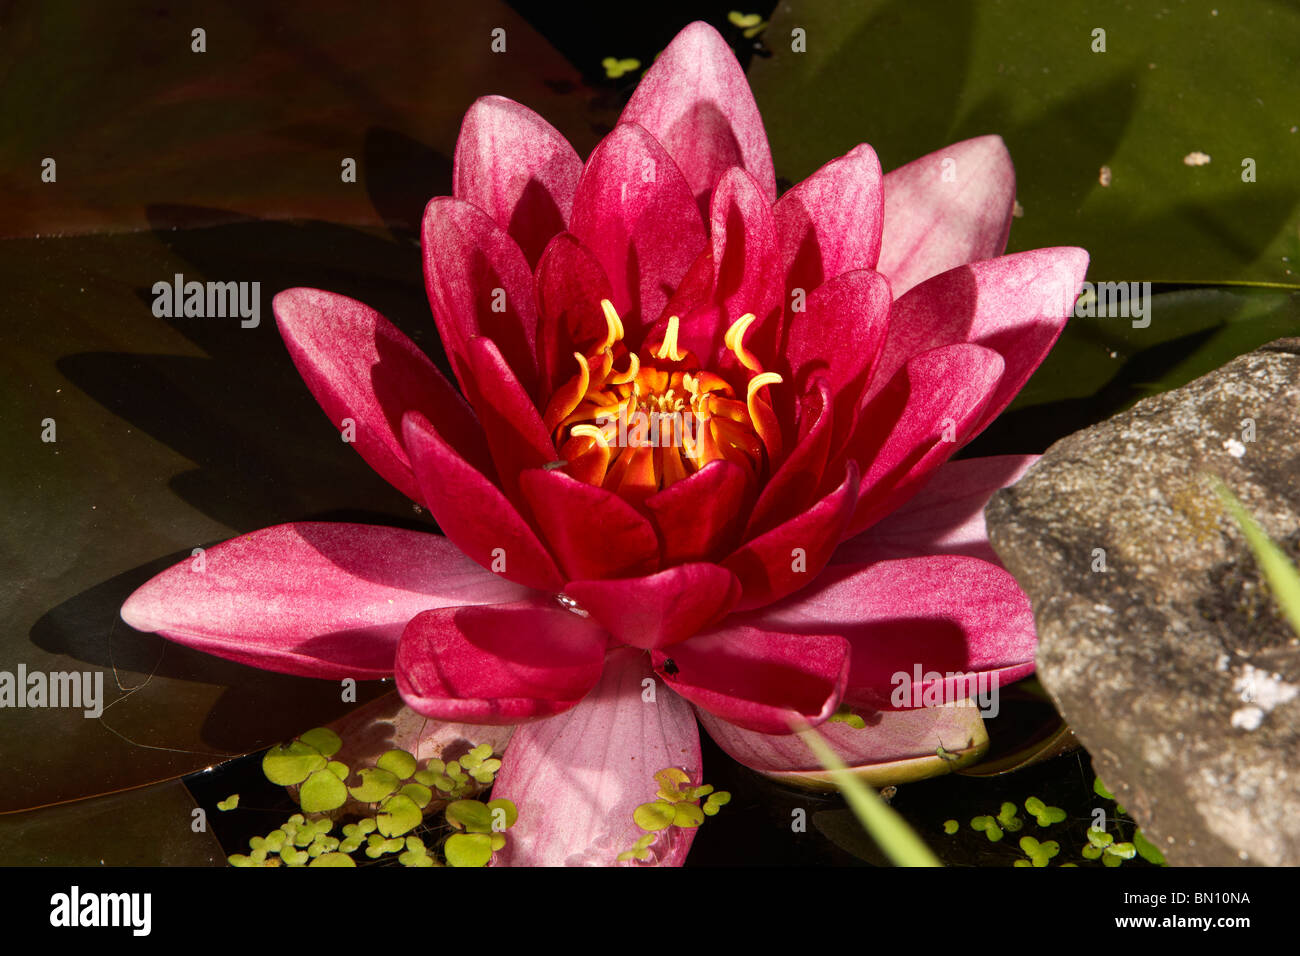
(614, 67)
(230, 803)
(292, 764)
(401, 794)
(951, 826)
(323, 740)
(468, 849)
(400, 763)
(677, 804)
(321, 792)
(398, 815)
(1039, 853)
(989, 827)
(846, 716)
(376, 784)
(1008, 819)
(1042, 813)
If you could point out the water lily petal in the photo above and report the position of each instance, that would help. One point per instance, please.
(929, 409)
(945, 517)
(696, 101)
(316, 599)
(593, 532)
(659, 609)
(518, 169)
(1016, 305)
(757, 678)
(473, 512)
(479, 284)
(499, 664)
(577, 778)
(830, 223)
(634, 211)
(700, 516)
(794, 484)
(360, 367)
(746, 263)
(947, 209)
(790, 555)
(570, 287)
(948, 615)
(840, 334)
(515, 432)
(895, 747)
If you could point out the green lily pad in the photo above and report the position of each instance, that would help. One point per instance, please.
(910, 78)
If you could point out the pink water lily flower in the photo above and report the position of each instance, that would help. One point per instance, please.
(695, 465)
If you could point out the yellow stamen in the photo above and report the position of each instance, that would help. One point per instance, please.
(614, 324)
(734, 340)
(589, 431)
(633, 367)
(668, 350)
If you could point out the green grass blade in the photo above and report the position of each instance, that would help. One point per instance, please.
(899, 841)
(1283, 579)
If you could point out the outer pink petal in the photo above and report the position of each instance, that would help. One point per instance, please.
(577, 778)
(756, 678)
(700, 516)
(315, 599)
(696, 101)
(634, 211)
(945, 517)
(518, 169)
(890, 737)
(929, 410)
(659, 609)
(472, 511)
(359, 366)
(1016, 305)
(947, 614)
(946, 209)
(499, 664)
(593, 532)
(479, 283)
(830, 223)
(789, 556)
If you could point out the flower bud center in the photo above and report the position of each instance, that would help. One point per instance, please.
(637, 423)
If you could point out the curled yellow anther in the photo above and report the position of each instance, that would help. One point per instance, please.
(757, 382)
(613, 323)
(734, 340)
(668, 350)
(633, 367)
(589, 431)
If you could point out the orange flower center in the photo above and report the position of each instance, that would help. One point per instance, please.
(635, 424)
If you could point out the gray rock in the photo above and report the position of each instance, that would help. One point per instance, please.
(1173, 665)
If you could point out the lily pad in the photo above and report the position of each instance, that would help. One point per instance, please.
(1173, 80)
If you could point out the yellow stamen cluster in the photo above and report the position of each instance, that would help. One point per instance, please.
(636, 424)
